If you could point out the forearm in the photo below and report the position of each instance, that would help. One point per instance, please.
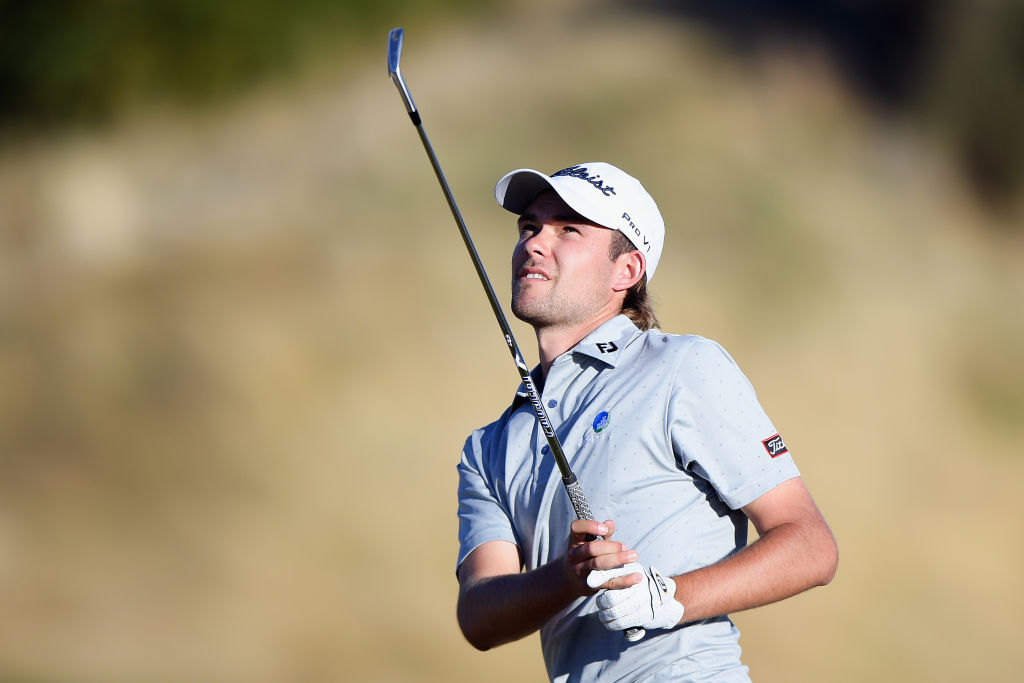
(785, 560)
(500, 609)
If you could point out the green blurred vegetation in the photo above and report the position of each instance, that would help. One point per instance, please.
(67, 61)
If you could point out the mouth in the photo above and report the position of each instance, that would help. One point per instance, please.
(533, 275)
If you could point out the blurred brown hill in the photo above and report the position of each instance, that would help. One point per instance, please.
(241, 346)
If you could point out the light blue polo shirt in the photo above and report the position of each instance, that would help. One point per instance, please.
(667, 438)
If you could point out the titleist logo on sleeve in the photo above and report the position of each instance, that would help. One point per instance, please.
(582, 173)
(775, 446)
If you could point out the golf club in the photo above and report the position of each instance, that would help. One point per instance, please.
(572, 486)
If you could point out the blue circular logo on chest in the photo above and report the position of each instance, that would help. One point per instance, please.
(601, 421)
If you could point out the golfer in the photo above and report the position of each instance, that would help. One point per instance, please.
(668, 440)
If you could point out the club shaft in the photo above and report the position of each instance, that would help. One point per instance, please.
(395, 72)
(499, 314)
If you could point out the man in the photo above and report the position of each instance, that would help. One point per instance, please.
(668, 441)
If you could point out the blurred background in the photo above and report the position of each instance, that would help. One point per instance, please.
(241, 343)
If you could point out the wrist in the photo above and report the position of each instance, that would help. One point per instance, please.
(679, 595)
(563, 581)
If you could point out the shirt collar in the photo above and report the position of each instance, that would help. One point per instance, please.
(607, 341)
(604, 344)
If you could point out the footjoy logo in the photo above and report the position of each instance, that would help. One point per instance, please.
(582, 173)
(601, 421)
(775, 446)
(607, 347)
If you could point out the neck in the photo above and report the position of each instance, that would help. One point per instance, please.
(553, 341)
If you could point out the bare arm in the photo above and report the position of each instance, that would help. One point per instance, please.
(795, 551)
(499, 604)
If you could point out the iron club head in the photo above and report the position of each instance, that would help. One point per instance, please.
(394, 69)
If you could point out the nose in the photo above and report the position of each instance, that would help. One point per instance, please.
(538, 242)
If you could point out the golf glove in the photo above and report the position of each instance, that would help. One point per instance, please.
(648, 604)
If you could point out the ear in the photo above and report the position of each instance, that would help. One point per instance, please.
(629, 269)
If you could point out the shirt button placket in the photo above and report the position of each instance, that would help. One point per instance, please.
(551, 403)
(553, 419)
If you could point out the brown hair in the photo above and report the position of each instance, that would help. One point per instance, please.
(637, 306)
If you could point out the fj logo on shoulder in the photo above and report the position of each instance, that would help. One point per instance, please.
(775, 446)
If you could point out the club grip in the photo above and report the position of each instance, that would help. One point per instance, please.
(576, 497)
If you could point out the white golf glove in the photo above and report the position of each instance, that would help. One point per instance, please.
(648, 604)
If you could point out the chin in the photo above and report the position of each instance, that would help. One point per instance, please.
(526, 313)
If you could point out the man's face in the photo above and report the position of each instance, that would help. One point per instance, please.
(561, 273)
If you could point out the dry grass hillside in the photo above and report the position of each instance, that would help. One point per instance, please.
(240, 351)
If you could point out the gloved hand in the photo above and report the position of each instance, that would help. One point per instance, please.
(648, 604)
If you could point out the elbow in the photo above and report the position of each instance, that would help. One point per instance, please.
(475, 638)
(477, 644)
(471, 628)
(829, 559)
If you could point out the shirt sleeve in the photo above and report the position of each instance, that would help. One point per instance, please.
(482, 517)
(719, 430)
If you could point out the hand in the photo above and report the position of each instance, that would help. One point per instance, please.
(647, 604)
(585, 554)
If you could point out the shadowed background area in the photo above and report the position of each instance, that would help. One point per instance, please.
(241, 343)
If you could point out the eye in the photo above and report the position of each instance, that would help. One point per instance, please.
(527, 229)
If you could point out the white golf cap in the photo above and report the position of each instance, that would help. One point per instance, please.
(599, 192)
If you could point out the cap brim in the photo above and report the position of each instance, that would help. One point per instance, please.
(517, 189)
